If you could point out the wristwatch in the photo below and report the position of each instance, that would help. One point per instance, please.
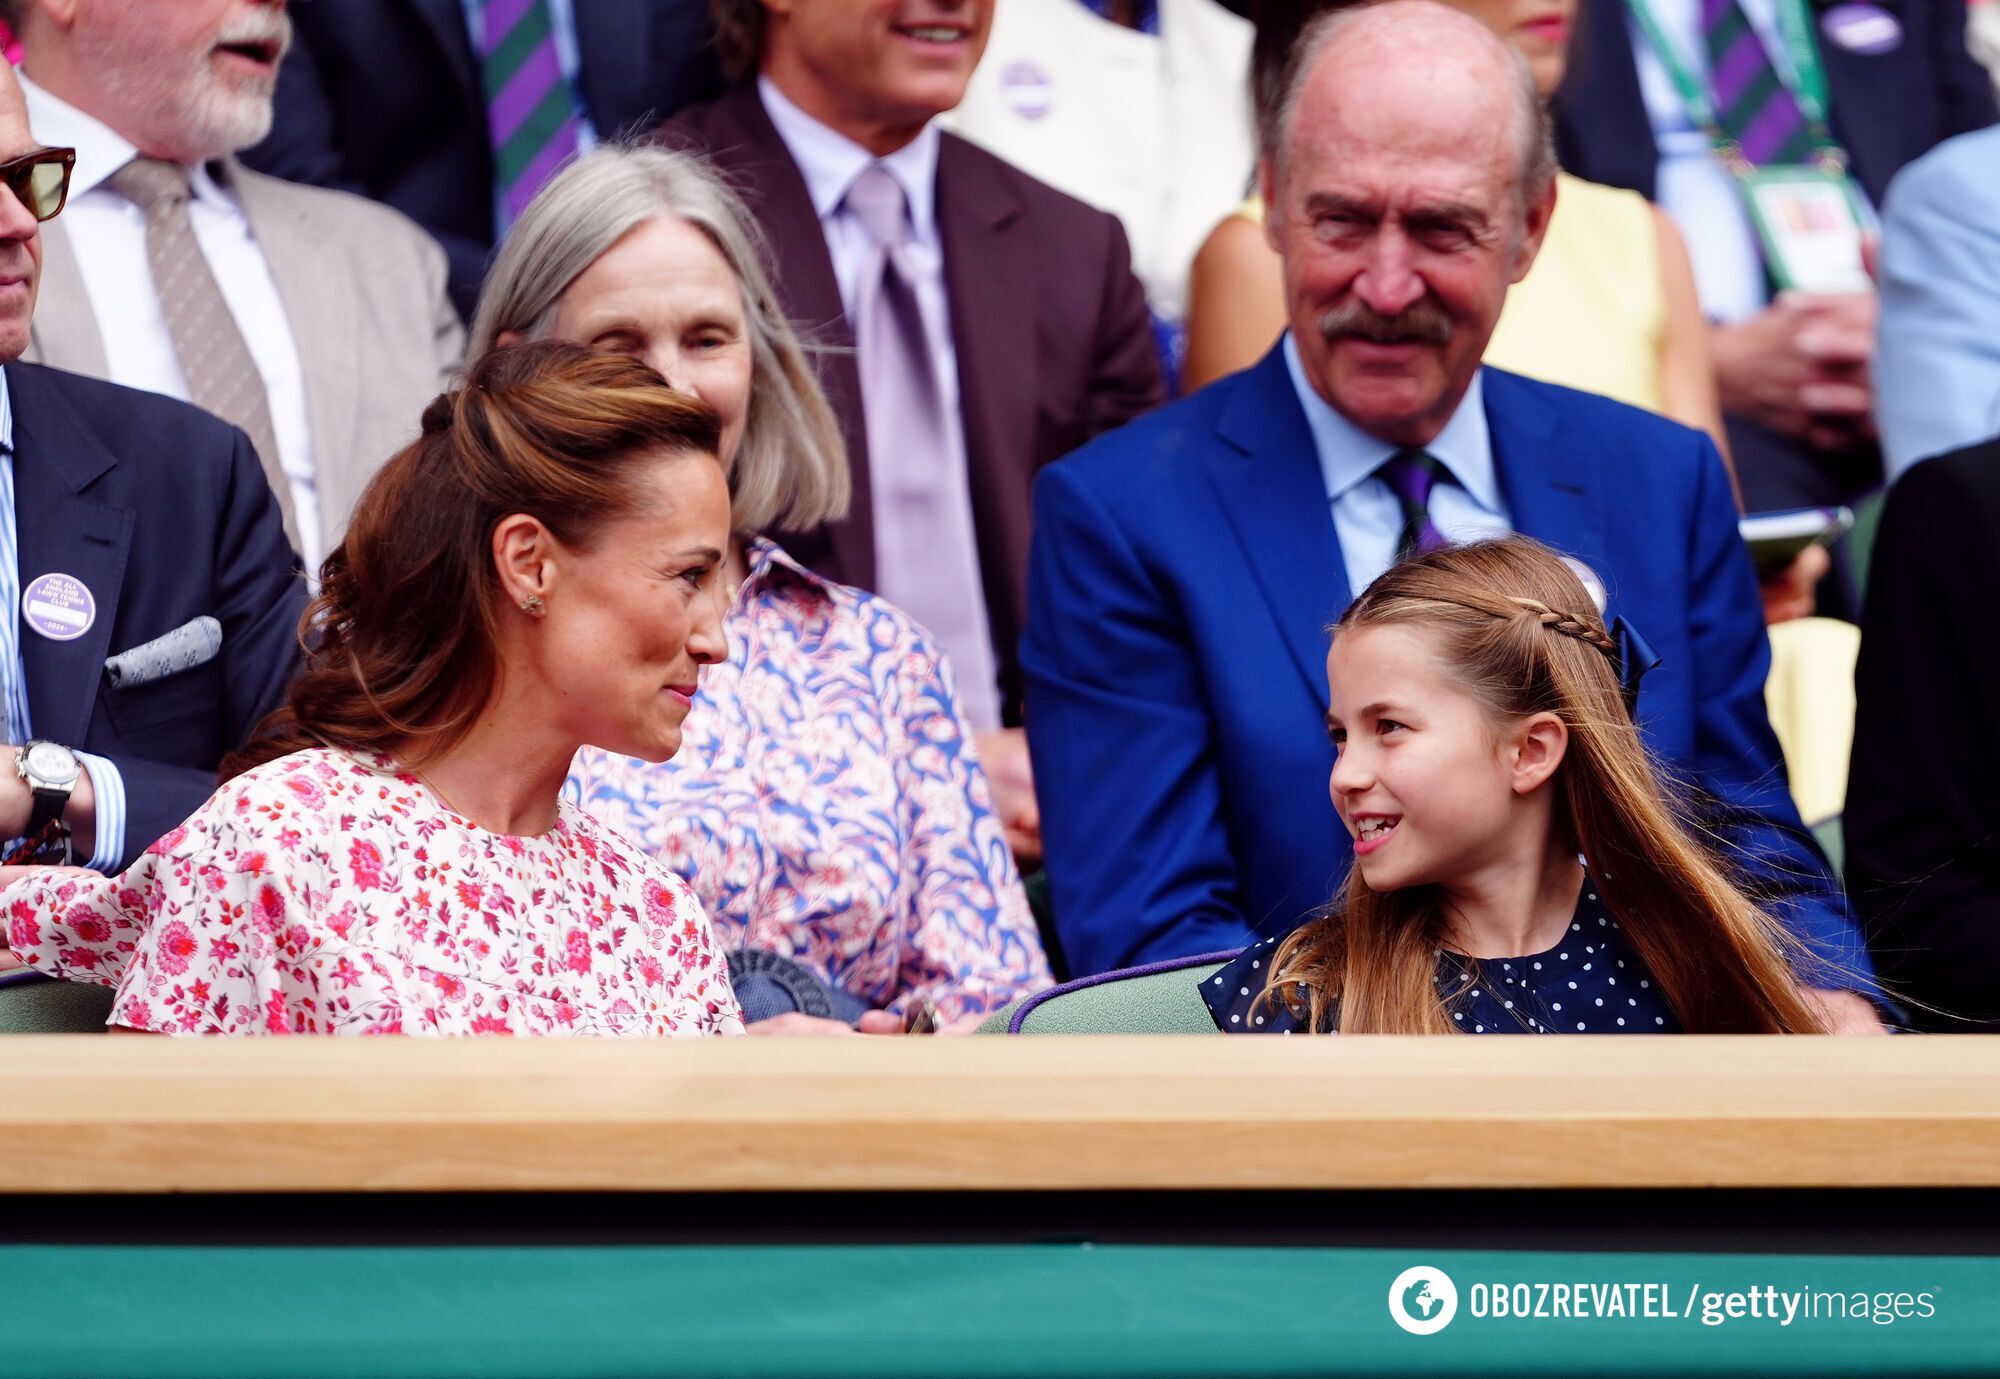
(50, 769)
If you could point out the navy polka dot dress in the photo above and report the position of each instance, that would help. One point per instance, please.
(1590, 982)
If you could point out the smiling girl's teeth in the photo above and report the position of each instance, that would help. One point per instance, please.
(1375, 828)
(933, 35)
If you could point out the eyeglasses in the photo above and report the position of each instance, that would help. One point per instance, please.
(40, 180)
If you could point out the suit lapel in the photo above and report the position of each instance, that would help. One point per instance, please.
(994, 338)
(1268, 484)
(325, 328)
(1545, 482)
(446, 21)
(61, 529)
(613, 45)
(65, 327)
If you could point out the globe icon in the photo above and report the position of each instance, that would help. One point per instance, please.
(1419, 1301)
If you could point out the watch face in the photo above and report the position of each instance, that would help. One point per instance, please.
(51, 764)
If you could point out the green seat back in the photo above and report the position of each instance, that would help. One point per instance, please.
(54, 1008)
(1160, 999)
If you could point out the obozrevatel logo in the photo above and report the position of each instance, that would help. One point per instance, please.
(1423, 1300)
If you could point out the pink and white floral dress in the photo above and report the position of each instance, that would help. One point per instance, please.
(328, 893)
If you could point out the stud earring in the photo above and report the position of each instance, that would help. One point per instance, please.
(533, 606)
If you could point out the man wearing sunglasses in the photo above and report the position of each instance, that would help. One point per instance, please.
(148, 601)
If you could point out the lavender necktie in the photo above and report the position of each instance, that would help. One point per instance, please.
(530, 112)
(926, 550)
(1411, 475)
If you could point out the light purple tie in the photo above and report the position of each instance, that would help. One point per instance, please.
(926, 549)
(1411, 475)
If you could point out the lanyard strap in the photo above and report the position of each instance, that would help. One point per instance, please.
(1808, 84)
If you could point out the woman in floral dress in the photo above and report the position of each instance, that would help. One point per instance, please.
(543, 568)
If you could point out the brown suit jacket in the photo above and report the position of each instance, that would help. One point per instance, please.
(1053, 341)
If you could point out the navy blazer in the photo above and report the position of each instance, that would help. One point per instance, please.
(1887, 109)
(383, 98)
(1184, 573)
(163, 513)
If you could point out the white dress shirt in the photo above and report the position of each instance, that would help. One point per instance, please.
(1367, 518)
(830, 161)
(1703, 197)
(109, 233)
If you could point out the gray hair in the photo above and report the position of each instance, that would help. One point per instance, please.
(791, 469)
(1538, 139)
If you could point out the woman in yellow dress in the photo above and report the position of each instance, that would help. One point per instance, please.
(1609, 306)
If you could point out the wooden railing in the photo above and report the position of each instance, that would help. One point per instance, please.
(153, 1115)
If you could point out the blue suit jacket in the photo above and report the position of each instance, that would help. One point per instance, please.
(1184, 572)
(163, 513)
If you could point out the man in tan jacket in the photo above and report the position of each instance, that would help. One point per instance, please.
(314, 320)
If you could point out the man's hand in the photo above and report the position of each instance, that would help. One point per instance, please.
(1844, 1012)
(1004, 753)
(1791, 592)
(1800, 367)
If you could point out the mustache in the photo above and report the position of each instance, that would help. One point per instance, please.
(1419, 323)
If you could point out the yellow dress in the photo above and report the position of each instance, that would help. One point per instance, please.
(1591, 313)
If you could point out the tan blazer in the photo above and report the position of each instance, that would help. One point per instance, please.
(364, 289)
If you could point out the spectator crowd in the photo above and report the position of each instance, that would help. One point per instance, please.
(817, 517)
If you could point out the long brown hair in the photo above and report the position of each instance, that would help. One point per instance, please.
(402, 640)
(1515, 624)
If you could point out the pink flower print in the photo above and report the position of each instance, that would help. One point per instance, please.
(659, 903)
(452, 988)
(296, 939)
(309, 794)
(490, 1024)
(576, 952)
(650, 970)
(470, 894)
(173, 838)
(91, 928)
(275, 1019)
(268, 908)
(23, 929)
(364, 861)
(177, 947)
(86, 958)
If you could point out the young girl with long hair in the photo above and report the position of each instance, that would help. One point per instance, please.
(1518, 866)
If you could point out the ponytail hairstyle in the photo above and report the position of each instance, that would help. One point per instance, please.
(1516, 625)
(402, 641)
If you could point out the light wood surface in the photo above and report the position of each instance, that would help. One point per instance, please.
(84, 1113)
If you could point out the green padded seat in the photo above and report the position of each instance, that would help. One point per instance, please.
(1160, 998)
(54, 1008)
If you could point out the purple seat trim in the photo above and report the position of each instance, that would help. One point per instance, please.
(1084, 983)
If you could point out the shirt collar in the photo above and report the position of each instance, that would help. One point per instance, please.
(765, 561)
(830, 161)
(100, 149)
(1348, 455)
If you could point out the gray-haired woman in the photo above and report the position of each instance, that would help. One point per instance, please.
(829, 807)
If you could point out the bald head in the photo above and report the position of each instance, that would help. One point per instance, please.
(1416, 59)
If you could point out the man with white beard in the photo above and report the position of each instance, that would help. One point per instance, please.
(314, 320)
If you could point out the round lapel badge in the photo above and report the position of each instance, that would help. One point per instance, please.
(59, 607)
(1027, 90)
(1862, 28)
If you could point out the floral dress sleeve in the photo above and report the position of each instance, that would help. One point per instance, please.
(973, 943)
(194, 934)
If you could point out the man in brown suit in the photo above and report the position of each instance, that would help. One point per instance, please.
(981, 324)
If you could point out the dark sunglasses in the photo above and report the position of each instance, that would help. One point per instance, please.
(40, 180)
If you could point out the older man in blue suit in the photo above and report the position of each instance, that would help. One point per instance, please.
(1185, 568)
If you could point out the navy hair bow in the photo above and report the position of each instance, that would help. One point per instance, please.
(1634, 657)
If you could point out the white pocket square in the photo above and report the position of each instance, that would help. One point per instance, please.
(191, 644)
